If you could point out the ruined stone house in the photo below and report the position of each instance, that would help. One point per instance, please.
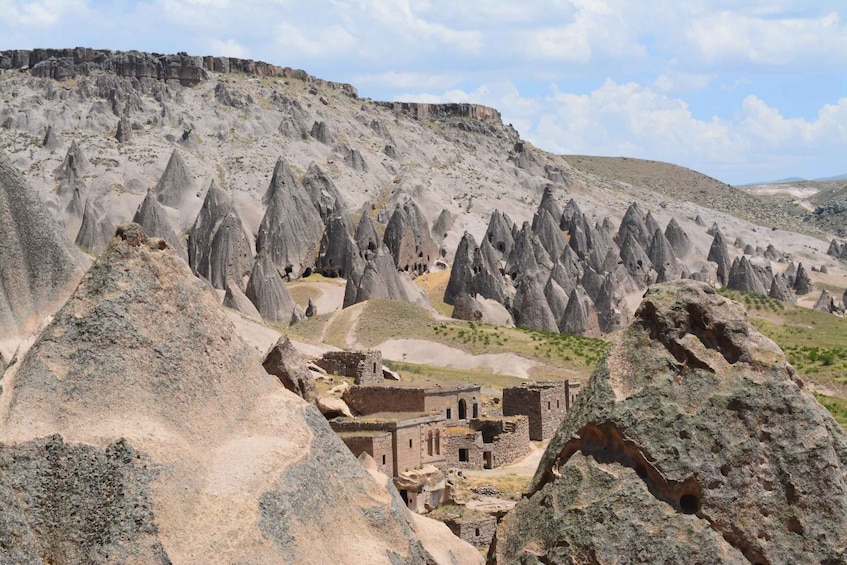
(487, 442)
(363, 366)
(457, 403)
(473, 527)
(543, 402)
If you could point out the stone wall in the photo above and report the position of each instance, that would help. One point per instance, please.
(544, 403)
(451, 399)
(373, 399)
(378, 445)
(508, 438)
(364, 366)
(477, 530)
(456, 439)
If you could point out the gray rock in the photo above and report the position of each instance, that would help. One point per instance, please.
(323, 193)
(651, 224)
(699, 221)
(96, 229)
(742, 276)
(662, 256)
(338, 252)
(827, 303)
(443, 224)
(467, 308)
(153, 219)
(176, 182)
(691, 423)
(571, 215)
(635, 260)
(718, 253)
(633, 224)
(781, 290)
(291, 228)
(679, 240)
(580, 317)
(320, 131)
(802, 283)
(531, 309)
(475, 271)
(283, 362)
(739, 243)
(367, 238)
(546, 228)
(557, 298)
(609, 306)
(500, 233)
(311, 309)
(52, 139)
(714, 229)
(266, 290)
(38, 265)
(749, 250)
(408, 237)
(772, 254)
(70, 175)
(124, 133)
(238, 301)
(548, 202)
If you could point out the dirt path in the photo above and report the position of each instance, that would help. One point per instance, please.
(423, 352)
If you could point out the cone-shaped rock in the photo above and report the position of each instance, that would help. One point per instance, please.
(548, 202)
(38, 265)
(443, 224)
(218, 248)
(691, 423)
(367, 238)
(607, 304)
(408, 237)
(52, 140)
(531, 309)
(500, 233)
(570, 215)
(826, 303)
(742, 276)
(338, 250)
(633, 224)
(548, 232)
(238, 301)
(70, 175)
(662, 256)
(580, 318)
(323, 193)
(176, 182)
(153, 219)
(781, 290)
(802, 282)
(475, 272)
(283, 362)
(718, 253)
(557, 299)
(267, 291)
(467, 308)
(96, 229)
(290, 232)
(676, 236)
(141, 408)
(124, 132)
(635, 259)
(772, 253)
(713, 230)
(651, 224)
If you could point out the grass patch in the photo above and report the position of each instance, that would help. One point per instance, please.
(837, 406)
(310, 329)
(509, 486)
(434, 285)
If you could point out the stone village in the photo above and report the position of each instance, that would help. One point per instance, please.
(417, 431)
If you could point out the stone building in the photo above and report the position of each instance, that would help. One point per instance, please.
(364, 366)
(473, 527)
(487, 442)
(379, 444)
(543, 402)
(457, 403)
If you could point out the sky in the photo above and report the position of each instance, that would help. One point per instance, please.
(743, 91)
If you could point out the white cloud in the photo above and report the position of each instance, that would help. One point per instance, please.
(409, 80)
(675, 82)
(228, 48)
(327, 41)
(42, 13)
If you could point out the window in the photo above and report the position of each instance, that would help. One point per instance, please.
(410, 444)
(383, 459)
(463, 456)
(476, 532)
(438, 442)
(374, 367)
(475, 410)
(429, 443)
(548, 405)
(463, 409)
(557, 404)
(449, 413)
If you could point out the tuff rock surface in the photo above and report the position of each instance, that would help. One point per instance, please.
(139, 428)
(693, 442)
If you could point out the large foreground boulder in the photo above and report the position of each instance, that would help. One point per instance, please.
(694, 442)
(139, 428)
(38, 265)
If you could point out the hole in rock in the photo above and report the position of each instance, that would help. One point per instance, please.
(689, 504)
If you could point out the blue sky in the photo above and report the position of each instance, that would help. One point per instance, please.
(742, 91)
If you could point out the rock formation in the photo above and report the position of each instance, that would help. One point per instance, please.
(802, 282)
(218, 248)
(283, 362)
(140, 418)
(238, 301)
(38, 266)
(531, 309)
(691, 424)
(742, 276)
(124, 133)
(680, 243)
(153, 219)
(290, 231)
(409, 239)
(96, 229)
(176, 182)
(781, 290)
(718, 253)
(266, 290)
(633, 224)
(475, 271)
(338, 255)
(501, 233)
(827, 303)
(323, 193)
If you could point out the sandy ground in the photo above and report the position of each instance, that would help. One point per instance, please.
(262, 338)
(424, 352)
(330, 297)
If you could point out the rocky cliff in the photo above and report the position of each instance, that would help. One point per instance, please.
(694, 441)
(140, 428)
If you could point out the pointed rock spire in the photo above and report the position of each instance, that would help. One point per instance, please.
(802, 281)
(633, 224)
(176, 182)
(500, 233)
(718, 253)
(153, 219)
(826, 303)
(124, 133)
(96, 229)
(580, 317)
(679, 240)
(323, 192)
(238, 301)
(338, 251)
(662, 256)
(635, 260)
(557, 299)
(531, 309)
(651, 223)
(408, 237)
(742, 276)
(291, 227)
(548, 202)
(546, 228)
(266, 290)
(367, 238)
(780, 290)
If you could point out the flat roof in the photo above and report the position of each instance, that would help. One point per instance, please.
(428, 386)
(364, 433)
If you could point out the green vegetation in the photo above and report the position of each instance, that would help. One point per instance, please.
(413, 372)
(838, 407)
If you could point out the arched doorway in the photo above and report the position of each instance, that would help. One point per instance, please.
(463, 409)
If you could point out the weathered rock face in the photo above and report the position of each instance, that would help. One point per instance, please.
(283, 362)
(267, 291)
(38, 266)
(96, 229)
(176, 182)
(153, 219)
(781, 290)
(339, 254)
(827, 303)
(290, 231)
(718, 253)
(218, 248)
(324, 194)
(408, 237)
(696, 425)
(802, 281)
(742, 276)
(531, 309)
(168, 424)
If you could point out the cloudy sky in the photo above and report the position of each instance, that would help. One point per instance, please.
(741, 90)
